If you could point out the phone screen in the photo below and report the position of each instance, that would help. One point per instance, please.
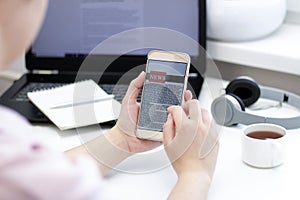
(163, 87)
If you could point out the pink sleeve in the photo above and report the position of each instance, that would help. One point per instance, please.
(30, 170)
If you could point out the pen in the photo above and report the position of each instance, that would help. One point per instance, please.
(83, 101)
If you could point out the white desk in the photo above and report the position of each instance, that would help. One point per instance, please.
(233, 179)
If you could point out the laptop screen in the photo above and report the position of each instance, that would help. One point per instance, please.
(73, 28)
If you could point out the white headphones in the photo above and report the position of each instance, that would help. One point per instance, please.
(229, 109)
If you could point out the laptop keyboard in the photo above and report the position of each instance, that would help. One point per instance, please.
(118, 90)
(31, 87)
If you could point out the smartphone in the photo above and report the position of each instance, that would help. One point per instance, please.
(164, 86)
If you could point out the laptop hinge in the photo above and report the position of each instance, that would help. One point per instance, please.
(45, 72)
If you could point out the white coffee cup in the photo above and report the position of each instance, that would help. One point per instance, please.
(265, 149)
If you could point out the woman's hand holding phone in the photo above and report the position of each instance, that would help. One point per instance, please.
(127, 121)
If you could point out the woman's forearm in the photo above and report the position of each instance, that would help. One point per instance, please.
(191, 186)
(108, 150)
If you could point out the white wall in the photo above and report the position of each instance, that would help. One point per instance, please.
(293, 14)
(230, 71)
(293, 5)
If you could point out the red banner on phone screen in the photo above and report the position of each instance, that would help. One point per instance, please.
(157, 77)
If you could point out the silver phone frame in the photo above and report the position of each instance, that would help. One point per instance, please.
(171, 56)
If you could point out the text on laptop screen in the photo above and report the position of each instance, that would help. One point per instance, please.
(75, 27)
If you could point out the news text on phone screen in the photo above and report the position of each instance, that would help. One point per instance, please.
(163, 87)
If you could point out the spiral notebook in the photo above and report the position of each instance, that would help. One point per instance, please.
(76, 105)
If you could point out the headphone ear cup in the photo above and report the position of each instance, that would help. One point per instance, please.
(241, 103)
(245, 88)
(223, 109)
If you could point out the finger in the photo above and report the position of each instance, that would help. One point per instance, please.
(193, 109)
(134, 87)
(139, 81)
(188, 95)
(178, 115)
(205, 116)
(168, 131)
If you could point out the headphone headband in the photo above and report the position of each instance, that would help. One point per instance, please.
(280, 96)
(227, 109)
(248, 118)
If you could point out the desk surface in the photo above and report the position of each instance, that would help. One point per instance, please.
(232, 180)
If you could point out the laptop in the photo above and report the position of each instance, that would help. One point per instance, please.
(72, 28)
